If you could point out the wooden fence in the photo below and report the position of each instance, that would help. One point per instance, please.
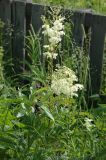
(21, 14)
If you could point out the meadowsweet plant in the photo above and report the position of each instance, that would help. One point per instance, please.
(63, 78)
(88, 123)
(64, 81)
(54, 33)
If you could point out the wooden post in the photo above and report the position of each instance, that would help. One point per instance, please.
(5, 16)
(19, 32)
(37, 12)
(5, 11)
(98, 31)
(78, 32)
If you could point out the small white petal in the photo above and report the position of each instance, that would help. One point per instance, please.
(20, 115)
(55, 55)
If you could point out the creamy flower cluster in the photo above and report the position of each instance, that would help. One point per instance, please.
(54, 35)
(88, 123)
(64, 81)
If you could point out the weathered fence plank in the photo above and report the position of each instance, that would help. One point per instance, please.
(19, 31)
(98, 30)
(5, 11)
(5, 16)
(78, 32)
(28, 16)
(37, 12)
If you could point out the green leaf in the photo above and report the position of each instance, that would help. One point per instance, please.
(102, 105)
(2, 146)
(95, 97)
(46, 110)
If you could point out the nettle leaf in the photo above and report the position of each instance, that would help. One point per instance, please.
(48, 113)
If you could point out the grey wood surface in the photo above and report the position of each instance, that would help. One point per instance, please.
(78, 32)
(19, 32)
(5, 11)
(5, 16)
(98, 33)
(37, 12)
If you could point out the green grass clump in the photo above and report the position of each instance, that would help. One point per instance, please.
(98, 6)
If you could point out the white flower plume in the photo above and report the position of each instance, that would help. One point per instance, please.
(64, 82)
(54, 34)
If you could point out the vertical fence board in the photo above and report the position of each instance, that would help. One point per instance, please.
(5, 11)
(5, 16)
(28, 16)
(19, 31)
(78, 32)
(98, 30)
(37, 12)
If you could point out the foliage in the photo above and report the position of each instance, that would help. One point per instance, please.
(49, 130)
